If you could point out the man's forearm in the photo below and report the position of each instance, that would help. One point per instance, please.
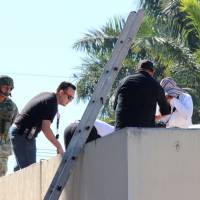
(50, 136)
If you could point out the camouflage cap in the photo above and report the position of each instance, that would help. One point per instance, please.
(6, 80)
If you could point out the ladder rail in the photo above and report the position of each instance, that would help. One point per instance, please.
(97, 100)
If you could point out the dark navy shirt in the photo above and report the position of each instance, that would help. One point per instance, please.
(136, 99)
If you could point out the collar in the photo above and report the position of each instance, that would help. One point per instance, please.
(144, 73)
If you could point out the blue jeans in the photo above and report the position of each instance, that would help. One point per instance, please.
(24, 149)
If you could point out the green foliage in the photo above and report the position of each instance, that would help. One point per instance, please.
(169, 36)
(192, 10)
(107, 36)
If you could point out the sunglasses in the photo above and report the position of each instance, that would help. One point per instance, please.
(69, 97)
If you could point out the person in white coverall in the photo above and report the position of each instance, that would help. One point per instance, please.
(181, 105)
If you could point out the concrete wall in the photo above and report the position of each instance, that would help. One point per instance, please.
(132, 164)
(23, 184)
(164, 164)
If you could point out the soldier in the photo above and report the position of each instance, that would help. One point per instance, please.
(8, 111)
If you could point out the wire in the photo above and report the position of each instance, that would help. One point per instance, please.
(45, 153)
(46, 149)
(37, 75)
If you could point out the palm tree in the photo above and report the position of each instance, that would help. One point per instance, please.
(99, 45)
(158, 42)
(182, 24)
(191, 8)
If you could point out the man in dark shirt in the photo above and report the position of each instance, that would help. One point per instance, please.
(37, 116)
(136, 99)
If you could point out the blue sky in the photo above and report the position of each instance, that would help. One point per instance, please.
(36, 40)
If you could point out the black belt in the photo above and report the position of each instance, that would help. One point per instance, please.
(21, 129)
(25, 131)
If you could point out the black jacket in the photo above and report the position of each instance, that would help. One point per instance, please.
(135, 101)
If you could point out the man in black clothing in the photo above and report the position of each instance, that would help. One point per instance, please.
(136, 99)
(37, 116)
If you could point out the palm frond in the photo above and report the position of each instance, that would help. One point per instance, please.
(95, 41)
(192, 10)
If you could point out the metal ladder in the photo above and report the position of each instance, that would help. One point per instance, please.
(97, 100)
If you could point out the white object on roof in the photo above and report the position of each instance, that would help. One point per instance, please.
(103, 128)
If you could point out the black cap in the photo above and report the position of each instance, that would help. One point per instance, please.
(146, 64)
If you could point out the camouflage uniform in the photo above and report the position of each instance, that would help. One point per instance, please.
(8, 111)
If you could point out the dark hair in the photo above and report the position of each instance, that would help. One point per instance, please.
(69, 131)
(146, 64)
(65, 85)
